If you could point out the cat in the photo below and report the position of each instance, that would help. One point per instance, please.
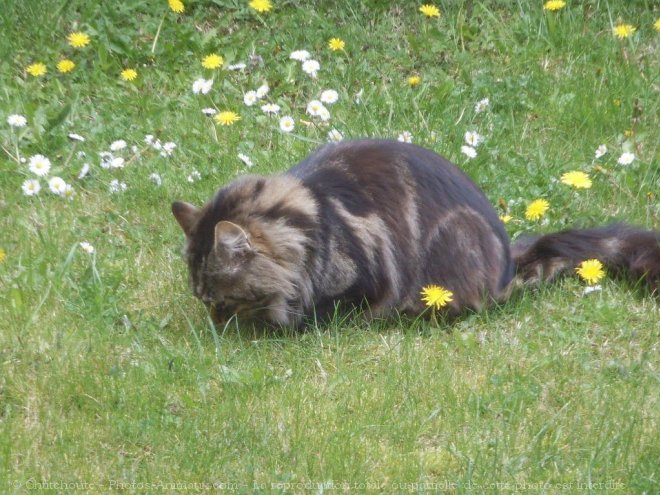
(375, 221)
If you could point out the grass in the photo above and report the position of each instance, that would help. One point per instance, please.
(111, 375)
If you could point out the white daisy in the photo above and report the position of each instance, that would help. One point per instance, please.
(311, 67)
(270, 108)
(116, 186)
(250, 98)
(238, 66)
(262, 90)
(334, 136)
(81, 154)
(600, 151)
(469, 151)
(300, 55)
(76, 137)
(245, 159)
(39, 165)
(57, 185)
(117, 162)
(83, 171)
(68, 192)
(324, 114)
(106, 159)
(155, 178)
(87, 247)
(481, 105)
(473, 138)
(31, 187)
(287, 124)
(149, 139)
(194, 175)
(168, 149)
(626, 158)
(592, 288)
(329, 96)
(314, 108)
(209, 112)
(15, 120)
(157, 145)
(202, 86)
(405, 137)
(120, 144)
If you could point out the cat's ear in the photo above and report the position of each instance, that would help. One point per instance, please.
(231, 238)
(186, 214)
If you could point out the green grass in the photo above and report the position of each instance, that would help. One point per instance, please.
(112, 375)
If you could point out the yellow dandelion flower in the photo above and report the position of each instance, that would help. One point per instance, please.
(212, 61)
(3, 255)
(336, 44)
(577, 179)
(37, 69)
(591, 271)
(506, 218)
(628, 133)
(176, 6)
(436, 296)
(65, 65)
(261, 5)
(227, 118)
(430, 10)
(622, 31)
(536, 209)
(656, 24)
(554, 5)
(78, 39)
(129, 74)
(414, 80)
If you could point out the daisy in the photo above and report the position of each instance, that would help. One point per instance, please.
(591, 271)
(120, 144)
(336, 44)
(270, 108)
(149, 139)
(481, 105)
(83, 171)
(15, 120)
(69, 192)
(430, 10)
(57, 185)
(227, 118)
(436, 297)
(77, 137)
(78, 39)
(405, 137)
(261, 6)
(536, 209)
(155, 178)
(31, 187)
(250, 98)
(578, 180)
(202, 86)
(262, 90)
(238, 66)
(116, 186)
(300, 55)
(334, 136)
(245, 159)
(600, 151)
(168, 149)
(324, 114)
(592, 288)
(622, 31)
(212, 61)
(469, 151)
(86, 246)
(287, 124)
(37, 69)
(39, 165)
(314, 107)
(129, 74)
(65, 65)
(209, 112)
(117, 162)
(194, 175)
(311, 67)
(176, 6)
(329, 96)
(473, 138)
(626, 158)
(106, 158)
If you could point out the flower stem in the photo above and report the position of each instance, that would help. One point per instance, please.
(153, 46)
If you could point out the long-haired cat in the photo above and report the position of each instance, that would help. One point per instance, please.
(374, 222)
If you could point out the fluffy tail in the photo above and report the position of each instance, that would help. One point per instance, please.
(620, 248)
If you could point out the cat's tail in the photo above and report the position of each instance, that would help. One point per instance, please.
(620, 248)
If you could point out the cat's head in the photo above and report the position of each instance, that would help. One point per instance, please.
(237, 268)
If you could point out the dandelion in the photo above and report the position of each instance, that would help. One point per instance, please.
(262, 90)
(31, 187)
(469, 151)
(430, 10)
(311, 67)
(314, 108)
(77, 137)
(554, 5)
(473, 138)
(202, 86)
(287, 124)
(246, 159)
(209, 112)
(300, 55)
(622, 31)
(271, 108)
(37, 69)
(329, 96)
(115, 186)
(336, 44)
(506, 218)
(576, 179)
(334, 136)
(591, 271)
(129, 74)
(39, 165)
(57, 185)
(536, 209)
(120, 144)
(86, 246)
(78, 39)
(3, 255)
(155, 178)
(600, 151)
(16, 120)
(656, 24)
(250, 98)
(261, 6)
(405, 137)
(435, 296)
(227, 118)
(176, 6)
(212, 61)
(194, 176)
(481, 105)
(626, 158)
(414, 81)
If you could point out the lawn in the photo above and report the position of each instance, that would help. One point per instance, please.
(112, 376)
